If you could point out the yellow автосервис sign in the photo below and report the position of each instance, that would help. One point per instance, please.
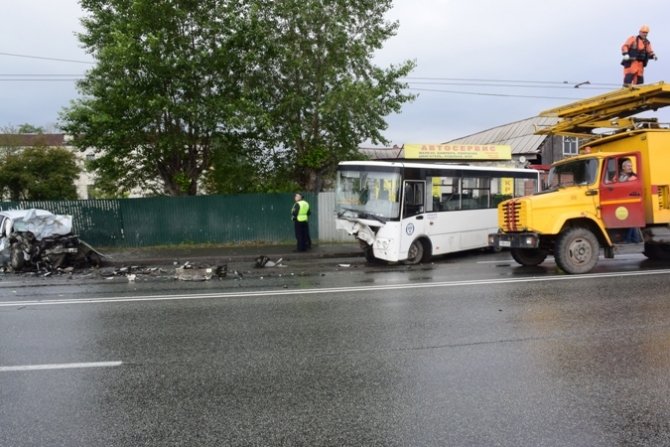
(458, 151)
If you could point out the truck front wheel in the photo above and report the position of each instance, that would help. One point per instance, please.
(577, 251)
(528, 256)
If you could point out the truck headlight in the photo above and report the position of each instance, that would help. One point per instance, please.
(530, 241)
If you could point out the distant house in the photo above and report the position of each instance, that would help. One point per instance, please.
(24, 140)
(85, 180)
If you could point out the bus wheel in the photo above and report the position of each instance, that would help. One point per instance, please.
(416, 253)
(528, 256)
(577, 251)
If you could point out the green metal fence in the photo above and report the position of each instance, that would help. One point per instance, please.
(155, 221)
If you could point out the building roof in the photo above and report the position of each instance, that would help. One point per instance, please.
(33, 139)
(519, 134)
(383, 153)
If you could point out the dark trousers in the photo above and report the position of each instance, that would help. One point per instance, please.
(632, 236)
(302, 236)
(633, 79)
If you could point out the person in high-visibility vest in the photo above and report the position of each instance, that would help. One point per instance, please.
(636, 51)
(300, 216)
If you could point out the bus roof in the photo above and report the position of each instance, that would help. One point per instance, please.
(507, 166)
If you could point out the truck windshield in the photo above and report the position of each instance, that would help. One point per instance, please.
(577, 172)
(368, 194)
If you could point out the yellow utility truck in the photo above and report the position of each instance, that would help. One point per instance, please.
(614, 196)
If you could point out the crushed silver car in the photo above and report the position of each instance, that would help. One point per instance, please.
(39, 240)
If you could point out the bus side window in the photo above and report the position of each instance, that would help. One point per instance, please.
(414, 198)
(476, 192)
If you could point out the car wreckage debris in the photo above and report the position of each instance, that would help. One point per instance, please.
(198, 272)
(39, 241)
(193, 272)
(130, 272)
(263, 261)
(51, 254)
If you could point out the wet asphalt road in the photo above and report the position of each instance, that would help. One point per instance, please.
(467, 351)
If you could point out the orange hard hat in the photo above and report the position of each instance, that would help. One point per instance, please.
(644, 29)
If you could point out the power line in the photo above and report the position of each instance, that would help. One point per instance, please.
(415, 80)
(493, 94)
(515, 81)
(482, 82)
(40, 74)
(51, 78)
(40, 80)
(27, 56)
(40, 77)
(477, 84)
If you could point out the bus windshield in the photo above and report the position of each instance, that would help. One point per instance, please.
(368, 194)
(577, 172)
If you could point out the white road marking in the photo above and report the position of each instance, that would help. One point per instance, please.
(498, 261)
(268, 293)
(551, 258)
(59, 366)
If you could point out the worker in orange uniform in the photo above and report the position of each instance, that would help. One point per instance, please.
(636, 52)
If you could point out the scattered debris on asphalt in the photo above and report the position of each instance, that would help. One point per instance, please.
(264, 261)
(131, 272)
(191, 272)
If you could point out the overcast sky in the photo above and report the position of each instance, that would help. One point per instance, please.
(467, 54)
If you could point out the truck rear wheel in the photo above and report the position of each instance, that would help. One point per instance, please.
(528, 256)
(577, 251)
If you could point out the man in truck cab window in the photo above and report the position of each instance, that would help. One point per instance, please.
(627, 174)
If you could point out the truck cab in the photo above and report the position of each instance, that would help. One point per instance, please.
(591, 201)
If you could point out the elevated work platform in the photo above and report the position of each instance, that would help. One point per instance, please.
(610, 110)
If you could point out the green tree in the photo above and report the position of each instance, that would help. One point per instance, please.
(29, 128)
(236, 170)
(184, 90)
(105, 187)
(166, 86)
(39, 173)
(325, 96)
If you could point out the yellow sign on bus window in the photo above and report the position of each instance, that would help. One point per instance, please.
(507, 186)
(458, 151)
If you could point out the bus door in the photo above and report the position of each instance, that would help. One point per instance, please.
(413, 209)
(621, 204)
